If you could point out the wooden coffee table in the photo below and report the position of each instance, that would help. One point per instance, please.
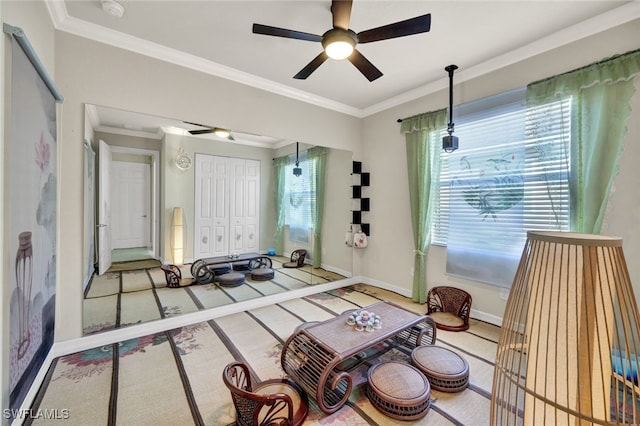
(312, 353)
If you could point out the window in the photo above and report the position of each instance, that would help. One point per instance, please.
(510, 175)
(299, 199)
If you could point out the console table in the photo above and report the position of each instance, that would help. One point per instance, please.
(312, 353)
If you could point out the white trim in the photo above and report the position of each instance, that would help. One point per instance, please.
(483, 316)
(35, 387)
(479, 315)
(612, 18)
(595, 25)
(339, 271)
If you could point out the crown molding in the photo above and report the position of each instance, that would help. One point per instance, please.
(63, 22)
(592, 26)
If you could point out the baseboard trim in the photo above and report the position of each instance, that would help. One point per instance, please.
(476, 314)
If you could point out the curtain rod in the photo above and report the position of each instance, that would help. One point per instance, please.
(23, 41)
(603, 61)
(400, 120)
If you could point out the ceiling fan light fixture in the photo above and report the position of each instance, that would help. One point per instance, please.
(222, 133)
(338, 44)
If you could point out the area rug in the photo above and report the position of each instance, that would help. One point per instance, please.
(174, 377)
(134, 265)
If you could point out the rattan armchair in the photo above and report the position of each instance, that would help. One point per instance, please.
(173, 276)
(271, 402)
(449, 307)
(297, 259)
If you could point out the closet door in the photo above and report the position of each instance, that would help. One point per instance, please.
(252, 206)
(227, 206)
(211, 206)
(237, 195)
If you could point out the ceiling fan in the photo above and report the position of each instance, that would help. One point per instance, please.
(218, 131)
(340, 41)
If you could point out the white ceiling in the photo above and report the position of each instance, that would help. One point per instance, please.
(216, 37)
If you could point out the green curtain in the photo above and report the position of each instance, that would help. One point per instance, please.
(319, 156)
(279, 166)
(601, 94)
(423, 164)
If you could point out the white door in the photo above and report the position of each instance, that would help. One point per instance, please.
(227, 206)
(131, 205)
(244, 201)
(211, 207)
(237, 196)
(252, 206)
(104, 209)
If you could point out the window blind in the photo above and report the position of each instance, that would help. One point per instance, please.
(510, 175)
(299, 198)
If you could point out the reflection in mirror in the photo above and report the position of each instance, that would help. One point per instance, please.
(168, 192)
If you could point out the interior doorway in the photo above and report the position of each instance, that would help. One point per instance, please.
(132, 195)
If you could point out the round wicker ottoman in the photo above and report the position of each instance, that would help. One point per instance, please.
(399, 390)
(220, 268)
(446, 370)
(241, 266)
(230, 279)
(262, 274)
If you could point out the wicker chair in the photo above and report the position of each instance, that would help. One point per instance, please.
(297, 259)
(449, 307)
(173, 276)
(275, 401)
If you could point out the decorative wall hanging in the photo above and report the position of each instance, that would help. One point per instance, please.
(361, 180)
(31, 232)
(348, 238)
(183, 161)
(360, 239)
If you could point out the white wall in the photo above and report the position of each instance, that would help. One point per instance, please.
(391, 242)
(34, 19)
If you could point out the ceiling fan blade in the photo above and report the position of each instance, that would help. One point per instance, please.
(200, 132)
(311, 66)
(341, 10)
(367, 68)
(195, 124)
(419, 24)
(282, 32)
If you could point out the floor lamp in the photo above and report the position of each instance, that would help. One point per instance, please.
(177, 236)
(569, 346)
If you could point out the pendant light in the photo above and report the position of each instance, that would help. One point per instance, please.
(450, 142)
(297, 171)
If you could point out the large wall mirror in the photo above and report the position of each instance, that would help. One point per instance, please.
(166, 191)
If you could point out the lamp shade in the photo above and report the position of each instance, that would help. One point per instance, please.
(177, 235)
(569, 346)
